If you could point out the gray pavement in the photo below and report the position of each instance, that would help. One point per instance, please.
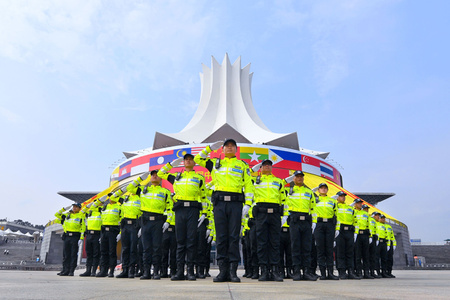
(47, 285)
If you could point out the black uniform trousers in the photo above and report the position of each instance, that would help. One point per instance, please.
(345, 247)
(248, 250)
(362, 252)
(390, 259)
(227, 219)
(301, 239)
(324, 235)
(186, 220)
(92, 246)
(313, 254)
(129, 239)
(253, 246)
(70, 250)
(108, 246)
(382, 255)
(244, 253)
(169, 249)
(285, 248)
(202, 258)
(268, 222)
(140, 251)
(373, 253)
(151, 235)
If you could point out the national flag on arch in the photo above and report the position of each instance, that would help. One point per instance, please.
(285, 159)
(125, 170)
(162, 158)
(253, 155)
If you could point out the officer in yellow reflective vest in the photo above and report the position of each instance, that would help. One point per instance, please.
(362, 236)
(300, 203)
(155, 200)
(169, 246)
(382, 246)
(345, 225)
(129, 227)
(73, 224)
(390, 250)
(108, 237)
(92, 243)
(232, 188)
(373, 244)
(269, 196)
(189, 188)
(324, 217)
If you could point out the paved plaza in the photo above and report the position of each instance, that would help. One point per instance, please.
(47, 285)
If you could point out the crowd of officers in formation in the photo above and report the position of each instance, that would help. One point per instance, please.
(286, 229)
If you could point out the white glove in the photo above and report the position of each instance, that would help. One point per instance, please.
(388, 247)
(370, 240)
(378, 242)
(80, 243)
(315, 189)
(103, 199)
(289, 179)
(355, 236)
(209, 239)
(284, 220)
(124, 189)
(256, 167)
(176, 162)
(119, 236)
(144, 176)
(313, 227)
(334, 197)
(242, 229)
(213, 243)
(165, 226)
(334, 244)
(394, 247)
(216, 145)
(116, 194)
(336, 233)
(90, 204)
(208, 232)
(201, 219)
(67, 207)
(245, 210)
(139, 233)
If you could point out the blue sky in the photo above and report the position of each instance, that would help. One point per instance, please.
(366, 80)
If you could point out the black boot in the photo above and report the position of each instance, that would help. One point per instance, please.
(71, 271)
(103, 272)
(123, 274)
(383, 274)
(111, 272)
(264, 274)
(233, 272)
(331, 276)
(276, 274)
(87, 272)
(207, 272)
(131, 271)
(139, 272)
(289, 273)
(323, 273)
(308, 276)
(245, 272)
(156, 272)
(190, 273)
(255, 274)
(146, 274)
(223, 272)
(249, 273)
(352, 275)
(201, 272)
(313, 273)
(390, 274)
(283, 272)
(367, 275)
(94, 271)
(65, 271)
(164, 273)
(297, 275)
(342, 274)
(373, 274)
(180, 273)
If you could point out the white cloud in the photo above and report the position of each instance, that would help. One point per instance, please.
(10, 116)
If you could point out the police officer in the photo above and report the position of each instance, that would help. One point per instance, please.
(300, 203)
(382, 246)
(285, 251)
(92, 244)
(373, 245)
(169, 246)
(108, 237)
(392, 244)
(129, 224)
(74, 227)
(189, 188)
(155, 200)
(269, 196)
(345, 228)
(324, 232)
(361, 237)
(231, 178)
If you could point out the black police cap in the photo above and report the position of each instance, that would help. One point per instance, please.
(77, 204)
(153, 172)
(382, 216)
(188, 155)
(357, 200)
(229, 141)
(299, 173)
(323, 184)
(266, 162)
(365, 206)
(341, 193)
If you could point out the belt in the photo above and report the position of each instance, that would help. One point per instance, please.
(128, 221)
(324, 220)
(171, 228)
(347, 227)
(111, 227)
(381, 240)
(72, 233)
(187, 203)
(285, 229)
(93, 231)
(300, 215)
(153, 216)
(365, 231)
